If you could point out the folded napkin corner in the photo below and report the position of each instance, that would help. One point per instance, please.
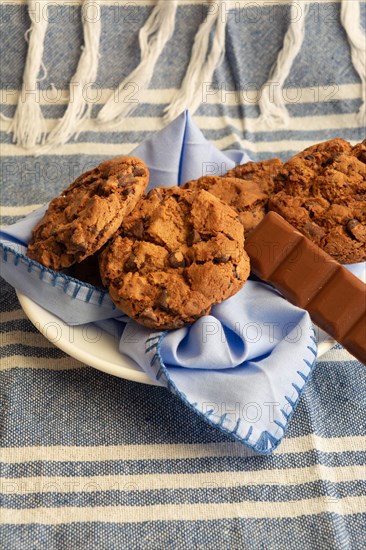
(251, 395)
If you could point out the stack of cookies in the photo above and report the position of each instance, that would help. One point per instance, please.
(320, 191)
(168, 256)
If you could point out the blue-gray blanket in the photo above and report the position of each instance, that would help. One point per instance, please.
(94, 461)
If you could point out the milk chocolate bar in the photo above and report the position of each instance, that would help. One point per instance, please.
(309, 278)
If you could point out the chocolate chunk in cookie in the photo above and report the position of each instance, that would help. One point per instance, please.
(80, 221)
(322, 192)
(179, 252)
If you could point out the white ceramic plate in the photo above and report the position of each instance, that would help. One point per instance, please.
(93, 346)
(86, 343)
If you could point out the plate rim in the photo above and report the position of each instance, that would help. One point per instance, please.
(130, 372)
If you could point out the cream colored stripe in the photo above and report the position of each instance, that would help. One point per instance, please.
(291, 95)
(137, 124)
(227, 4)
(18, 210)
(142, 124)
(34, 339)
(184, 512)
(310, 123)
(14, 315)
(149, 482)
(220, 95)
(50, 363)
(336, 356)
(17, 455)
(269, 147)
(155, 123)
(122, 3)
(98, 96)
(115, 149)
(112, 149)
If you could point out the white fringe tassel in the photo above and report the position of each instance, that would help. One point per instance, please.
(78, 109)
(153, 36)
(28, 125)
(202, 64)
(351, 21)
(271, 104)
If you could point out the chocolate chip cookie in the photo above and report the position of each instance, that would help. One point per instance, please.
(245, 188)
(79, 222)
(179, 252)
(322, 192)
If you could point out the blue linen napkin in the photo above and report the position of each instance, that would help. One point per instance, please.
(243, 367)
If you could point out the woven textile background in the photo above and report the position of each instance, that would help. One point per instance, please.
(93, 461)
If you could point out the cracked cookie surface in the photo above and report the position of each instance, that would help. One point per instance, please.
(263, 172)
(80, 221)
(245, 188)
(245, 197)
(322, 192)
(178, 253)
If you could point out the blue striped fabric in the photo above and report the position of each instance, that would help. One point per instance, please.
(94, 461)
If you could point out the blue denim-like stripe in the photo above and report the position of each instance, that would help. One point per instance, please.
(296, 109)
(216, 134)
(42, 182)
(89, 408)
(267, 441)
(117, 493)
(103, 416)
(19, 325)
(325, 530)
(30, 351)
(208, 464)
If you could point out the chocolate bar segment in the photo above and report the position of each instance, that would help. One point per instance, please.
(310, 279)
(355, 340)
(339, 304)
